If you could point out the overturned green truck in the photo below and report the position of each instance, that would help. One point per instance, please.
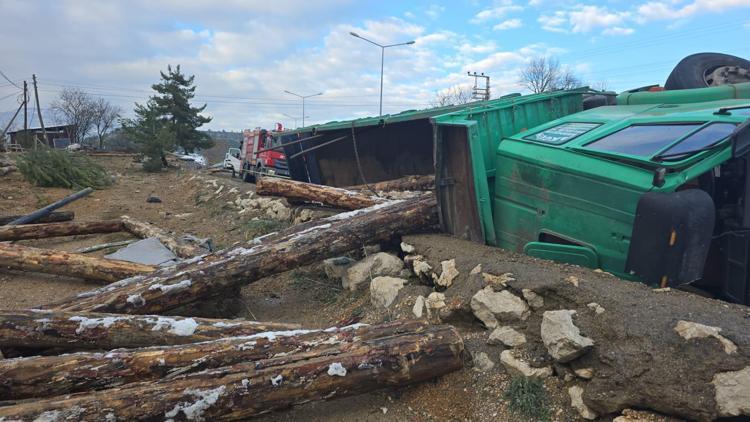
(654, 188)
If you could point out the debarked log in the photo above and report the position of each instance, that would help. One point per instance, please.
(71, 228)
(38, 328)
(253, 388)
(25, 258)
(143, 229)
(335, 197)
(214, 273)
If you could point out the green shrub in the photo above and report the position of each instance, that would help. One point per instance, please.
(47, 167)
(527, 397)
(152, 163)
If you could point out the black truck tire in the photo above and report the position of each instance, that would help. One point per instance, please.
(694, 71)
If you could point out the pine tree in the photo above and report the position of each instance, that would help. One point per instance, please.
(172, 103)
(152, 133)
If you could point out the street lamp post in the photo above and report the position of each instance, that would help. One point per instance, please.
(304, 97)
(382, 60)
(293, 118)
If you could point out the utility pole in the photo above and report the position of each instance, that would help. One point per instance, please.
(25, 108)
(478, 93)
(39, 111)
(304, 97)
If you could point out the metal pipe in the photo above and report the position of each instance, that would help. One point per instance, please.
(289, 143)
(51, 207)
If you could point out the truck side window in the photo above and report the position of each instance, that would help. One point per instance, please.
(642, 140)
(707, 136)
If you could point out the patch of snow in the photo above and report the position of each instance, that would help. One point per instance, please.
(194, 411)
(336, 368)
(183, 327)
(88, 323)
(222, 324)
(136, 300)
(245, 382)
(350, 214)
(276, 381)
(169, 288)
(50, 416)
(44, 323)
(259, 239)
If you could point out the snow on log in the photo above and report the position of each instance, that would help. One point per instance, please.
(49, 261)
(248, 389)
(144, 230)
(70, 228)
(406, 183)
(212, 274)
(335, 197)
(63, 330)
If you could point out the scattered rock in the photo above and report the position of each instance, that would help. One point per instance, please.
(476, 270)
(405, 273)
(690, 330)
(490, 306)
(584, 373)
(448, 274)
(418, 306)
(631, 415)
(572, 280)
(482, 362)
(383, 290)
(516, 366)
(596, 308)
(435, 301)
(380, 264)
(421, 268)
(662, 290)
(533, 299)
(153, 199)
(371, 249)
(576, 401)
(562, 338)
(506, 336)
(499, 281)
(335, 268)
(733, 392)
(407, 248)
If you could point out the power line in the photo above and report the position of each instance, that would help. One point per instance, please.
(8, 79)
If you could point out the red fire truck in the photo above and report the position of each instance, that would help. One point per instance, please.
(254, 157)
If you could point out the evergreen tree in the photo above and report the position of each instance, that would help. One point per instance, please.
(172, 103)
(152, 134)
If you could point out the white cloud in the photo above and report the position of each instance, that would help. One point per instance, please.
(586, 18)
(508, 24)
(618, 30)
(497, 12)
(668, 10)
(434, 11)
(554, 22)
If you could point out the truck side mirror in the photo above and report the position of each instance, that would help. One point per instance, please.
(741, 139)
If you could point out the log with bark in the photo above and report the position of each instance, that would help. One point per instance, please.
(48, 261)
(70, 228)
(213, 274)
(407, 183)
(63, 330)
(54, 217)
(144, 230)
(300, 191)
(252, 388)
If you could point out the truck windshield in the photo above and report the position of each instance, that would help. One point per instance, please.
(708, 136)
(642, 140)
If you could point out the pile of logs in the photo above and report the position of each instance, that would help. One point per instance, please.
(105, 355)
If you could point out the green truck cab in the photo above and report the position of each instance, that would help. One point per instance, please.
(654, 189)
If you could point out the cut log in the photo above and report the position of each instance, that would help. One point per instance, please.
(55, 217)
(214, 273)
(48, 261)
(144, 230)
(248, 389)
(407, 183)
(300, 191)
(46, 376)
(41, 329)
(70, 228)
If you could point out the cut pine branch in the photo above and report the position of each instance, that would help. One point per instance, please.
(71, 228)
(75, 331)
(144, 230)
(300, 191)
(213, 274)
(252, 388)
(48, 261)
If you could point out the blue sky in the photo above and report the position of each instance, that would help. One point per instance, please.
(246, 53)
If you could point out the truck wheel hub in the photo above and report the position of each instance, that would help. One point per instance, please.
(726, 75)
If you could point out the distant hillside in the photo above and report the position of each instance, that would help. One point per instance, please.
(223, 140)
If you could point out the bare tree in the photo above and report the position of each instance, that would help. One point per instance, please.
(75, 107)
(452, 96)
(105, 116)
(544, 74)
